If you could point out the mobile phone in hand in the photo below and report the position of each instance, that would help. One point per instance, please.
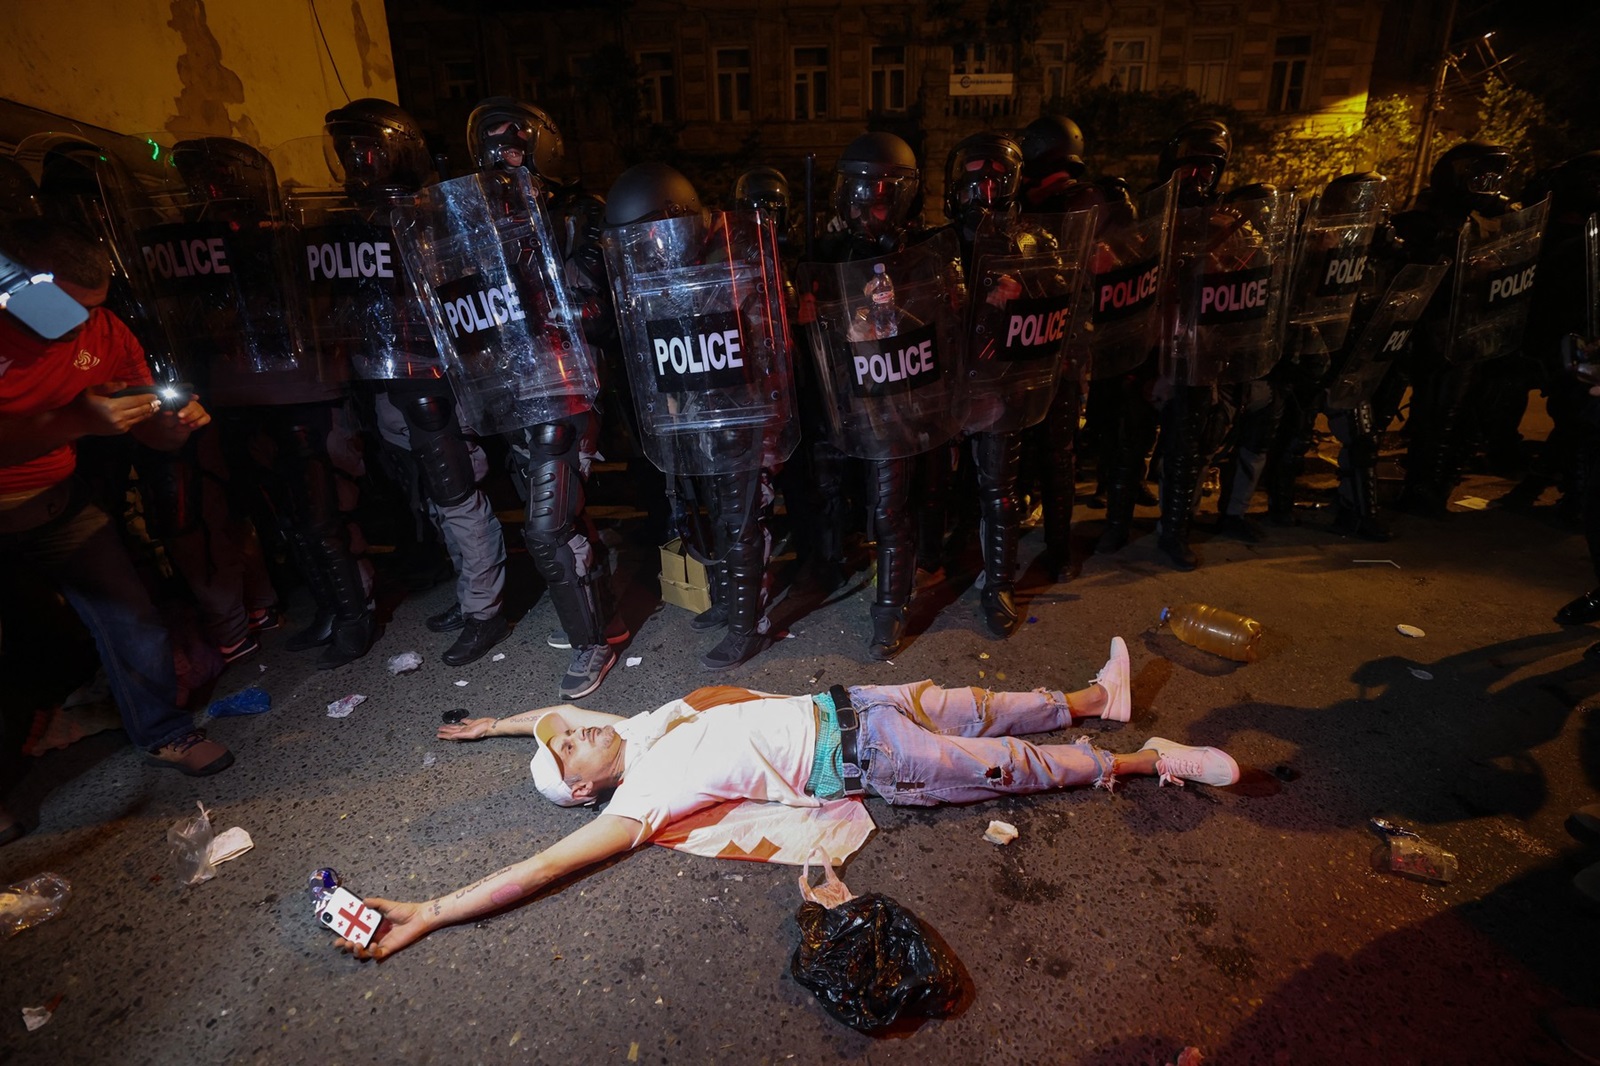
(173, 397)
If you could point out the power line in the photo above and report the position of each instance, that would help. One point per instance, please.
(331, 61)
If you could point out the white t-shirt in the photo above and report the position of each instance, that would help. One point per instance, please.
(679, 760)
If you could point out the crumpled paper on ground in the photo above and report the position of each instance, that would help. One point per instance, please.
(405, 662)
(342, 708)
(229, 845)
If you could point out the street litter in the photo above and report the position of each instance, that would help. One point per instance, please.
(404, 662)
(1420, 674)
(428, 760)
(869, 960)
(342, 708)
(1409, 631)
(1408, 855)
(1000, 833)
(1473, 503)
(229, 845)
(498, 656)
(190, 842)
(28, 902)
(634, 660)
(246, 701)
(461, 684)
(34, 1017)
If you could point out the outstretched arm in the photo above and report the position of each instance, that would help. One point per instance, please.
(407, 923)
(521, 725)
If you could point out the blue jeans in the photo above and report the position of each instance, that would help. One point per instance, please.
(925, 745)
(79, 553)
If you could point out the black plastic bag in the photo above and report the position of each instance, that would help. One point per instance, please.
(871, 962)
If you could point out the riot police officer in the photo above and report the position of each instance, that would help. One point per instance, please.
(707, 359)
(889, 419)
(982, 176)
(384, 161)
(552, 459)
(1462, 216)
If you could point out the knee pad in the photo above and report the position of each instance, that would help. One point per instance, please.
(444, 464)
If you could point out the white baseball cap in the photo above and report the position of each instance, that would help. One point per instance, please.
(546, 770)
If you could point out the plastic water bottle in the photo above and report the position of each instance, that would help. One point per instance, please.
(885, 313)
(1212, 629)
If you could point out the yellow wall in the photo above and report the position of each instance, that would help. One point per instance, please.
(252, 69)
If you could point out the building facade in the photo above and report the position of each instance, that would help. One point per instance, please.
(737, 82)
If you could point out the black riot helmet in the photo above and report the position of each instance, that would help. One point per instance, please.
(374, 145)
(1197, 154)
(1471, 176)
(503, 132)
(19, 193)
(875, 184)
(765, 191)
(221, 168)
(1351, 192)
(650, 192)
(982, 173)
(1052, 144)
(1573, 186)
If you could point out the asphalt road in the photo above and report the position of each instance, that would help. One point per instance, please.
(1248, 922)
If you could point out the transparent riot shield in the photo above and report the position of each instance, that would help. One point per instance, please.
(483, 261)
(1027, 276)
(1591, 276)
(705, 337)
(74, 177)
(1234, 261)
(1386, 336)
(1330, 259)
(1128, 263)
(889, 344)
(358, 306)
(1495, 265)
(205, 246)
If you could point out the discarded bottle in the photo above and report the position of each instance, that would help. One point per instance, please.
(321, 885)
(882, 319)
(1233, 636)
(1413, 857)
(27, 903)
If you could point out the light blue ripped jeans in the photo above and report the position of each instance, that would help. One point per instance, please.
(925, 745)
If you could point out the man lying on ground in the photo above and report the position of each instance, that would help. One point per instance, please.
(916, 744)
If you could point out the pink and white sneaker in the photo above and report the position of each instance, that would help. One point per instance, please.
(1177, 763)
(1113, 677)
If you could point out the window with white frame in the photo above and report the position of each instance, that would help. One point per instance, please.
(733, 84)
(658, 87)
(1206, 73)
(530, 77)
(1291, 58)
(1053, 68)
(970, 58)
(458, 79)
(889, 78)
(810, 82)
(1128, 63)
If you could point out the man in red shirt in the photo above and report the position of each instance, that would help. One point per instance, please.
(51, 394)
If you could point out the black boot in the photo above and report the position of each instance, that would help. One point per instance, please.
(996, 457)
(1181, 468)
(888, 631)
(354, 628)
(320, 631)
(477, 637)
(743, 597)
(715, 616)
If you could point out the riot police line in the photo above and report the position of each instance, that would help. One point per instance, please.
(913, 371)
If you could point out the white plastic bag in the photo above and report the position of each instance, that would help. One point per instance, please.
(190, 840)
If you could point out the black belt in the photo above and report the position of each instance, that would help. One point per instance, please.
(851, 766)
